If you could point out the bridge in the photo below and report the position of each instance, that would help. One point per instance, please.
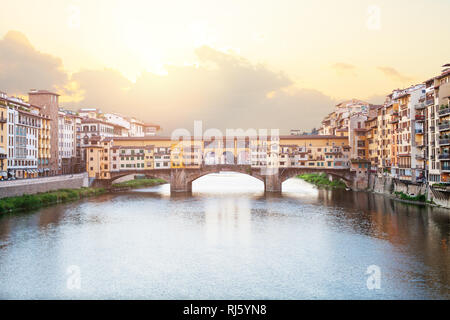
(180, 163)
(181, 179)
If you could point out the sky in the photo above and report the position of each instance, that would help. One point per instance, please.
(232, 64)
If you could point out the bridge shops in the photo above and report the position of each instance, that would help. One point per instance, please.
(270, 159)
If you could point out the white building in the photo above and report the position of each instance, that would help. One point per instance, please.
(23, 125)
(136, 128)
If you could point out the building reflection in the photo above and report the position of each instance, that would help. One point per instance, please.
(228, 219)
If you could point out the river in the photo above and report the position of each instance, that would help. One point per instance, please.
(227, 241)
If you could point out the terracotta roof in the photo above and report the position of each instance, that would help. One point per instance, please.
(90, 120)
(311, 136)
(31, 92)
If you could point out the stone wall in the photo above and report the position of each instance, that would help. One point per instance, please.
(31, 186)
(387, 186)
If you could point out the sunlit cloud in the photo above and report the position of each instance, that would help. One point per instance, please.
(394, 75)
(22, 67)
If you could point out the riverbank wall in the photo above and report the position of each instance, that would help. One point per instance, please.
(392, 187)
(45, 184)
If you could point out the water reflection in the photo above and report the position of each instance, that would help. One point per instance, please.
(228, 240)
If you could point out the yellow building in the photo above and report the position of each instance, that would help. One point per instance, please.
(372, 143)
(315, 151)
(3, 140)
(44, 145)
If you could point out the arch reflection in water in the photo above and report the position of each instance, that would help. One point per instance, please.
(228, 219)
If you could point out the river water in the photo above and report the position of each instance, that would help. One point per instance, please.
(228, 241)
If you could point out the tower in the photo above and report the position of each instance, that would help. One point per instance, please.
(48, 101)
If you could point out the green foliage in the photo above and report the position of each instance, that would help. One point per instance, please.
(321, 180)
(36, 201)
(418, 198)
(138, 183)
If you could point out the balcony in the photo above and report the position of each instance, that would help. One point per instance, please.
(420, 106)
(419, 131)
(444, 126)
(420, 117)
(444, 142)
(444, 112)
(2, 120)
(420, 156)
(444, 156)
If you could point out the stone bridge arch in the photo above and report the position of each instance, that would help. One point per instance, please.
(344, 174)
(181, 179)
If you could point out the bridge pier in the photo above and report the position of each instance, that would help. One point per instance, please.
(179, 181)
(272, 183)
(101, 183)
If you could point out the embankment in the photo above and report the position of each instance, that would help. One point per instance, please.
(418, 193)
(41, 185)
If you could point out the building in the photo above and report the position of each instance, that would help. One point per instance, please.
(113, 154)
(91, 113)
(151, 129)
(337, 122)
(44, 145)
(136, 128)
(3, 137)
(314, 151)
(22, 127)
(410, 134)
(69, 157)
(438, 106)
(49, 104)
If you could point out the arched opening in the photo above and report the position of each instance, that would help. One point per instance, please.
(125, 178)
(320, 179)
(227, 182)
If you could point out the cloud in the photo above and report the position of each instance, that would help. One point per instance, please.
(394, 74)
(22, 67)
(224, 91)
(344, 69)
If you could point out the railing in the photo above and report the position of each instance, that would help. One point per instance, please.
(420, 106)
(444, 156)
(420, 117)
(429, 102)
(444, 141)
(443, 112)
(444, 126)
(420, 156)
(2, 120)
